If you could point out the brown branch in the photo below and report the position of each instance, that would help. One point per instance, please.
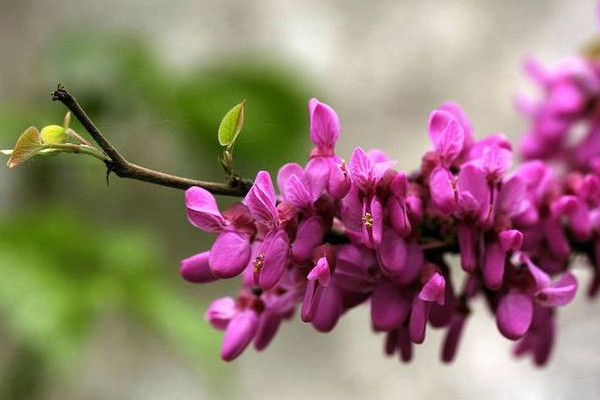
(121, 167)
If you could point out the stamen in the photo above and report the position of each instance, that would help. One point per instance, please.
(368, 220)
(258, 262)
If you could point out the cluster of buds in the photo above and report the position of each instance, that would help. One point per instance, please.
(340, 235)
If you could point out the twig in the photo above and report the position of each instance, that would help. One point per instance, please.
(118, 164)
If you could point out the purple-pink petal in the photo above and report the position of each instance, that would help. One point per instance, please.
(330, 309)
(321, 272)
(418, 319)
(510, 240)
(514, 314)
(268, 326)
(559, 293)
(324, 125)
(309, 235)
(467, 241)
(239, 334)
(202, 210)
(389, 307)
(442, 190)
(493, 265)
(434, 289)
(229, 254)
(472, 180)
(316, 175)
(274, 254)
(447, 136)
(312, 297)
(286, 172)
(220, 312)
(261, 200)
(362, 170)
(392, 253)
(339, 181)
(196, 269)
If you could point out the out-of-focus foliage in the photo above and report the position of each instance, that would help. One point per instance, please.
(60, 269)
(132, 77)
(58, 274)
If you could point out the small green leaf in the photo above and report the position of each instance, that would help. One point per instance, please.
(231, 125)
(28, 145)
(53, 134)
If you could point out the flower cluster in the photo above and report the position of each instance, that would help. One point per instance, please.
(565, 119)
(344, 234)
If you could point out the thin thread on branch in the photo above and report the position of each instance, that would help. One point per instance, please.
(121, 167)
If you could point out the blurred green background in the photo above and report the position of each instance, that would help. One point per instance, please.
(76, 254)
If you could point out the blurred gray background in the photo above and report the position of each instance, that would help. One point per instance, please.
(383, 65)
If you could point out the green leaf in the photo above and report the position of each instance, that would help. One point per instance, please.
(231, 125)
(28, 145)
(53, 134)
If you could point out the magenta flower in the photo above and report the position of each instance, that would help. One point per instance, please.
(272, 258)
(339, 235)
(447, 135)
(324, 133)
(515, 309)
(318, 279)
(235, 231)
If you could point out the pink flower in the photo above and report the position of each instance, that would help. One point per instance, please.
(235, 232)
(273, 255)
(515, 309)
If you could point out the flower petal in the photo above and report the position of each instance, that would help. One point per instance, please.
(196, 269)
(297, 193)
(275, 250)
(389, 307)
(316, 175)
(330, 309)
(339, 181)
(324, 126)
(229, 254)
(202, 210)
(220, 312)
(434, 290)
(399, 216)
(542, 279)
(239, 334)
(308, 236)
(268, 326)
(559, 293)
(321, 272)
(285, 172)
(514, 314)
(512, 196)
(442, 191)
(510, 240)
(261, 200)
(310, 304)
(447, 136)
(362, 169)
(467, 241)
(493, 265)
(392, 253)
(472, 180)
(452, 339)
(418, 319)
